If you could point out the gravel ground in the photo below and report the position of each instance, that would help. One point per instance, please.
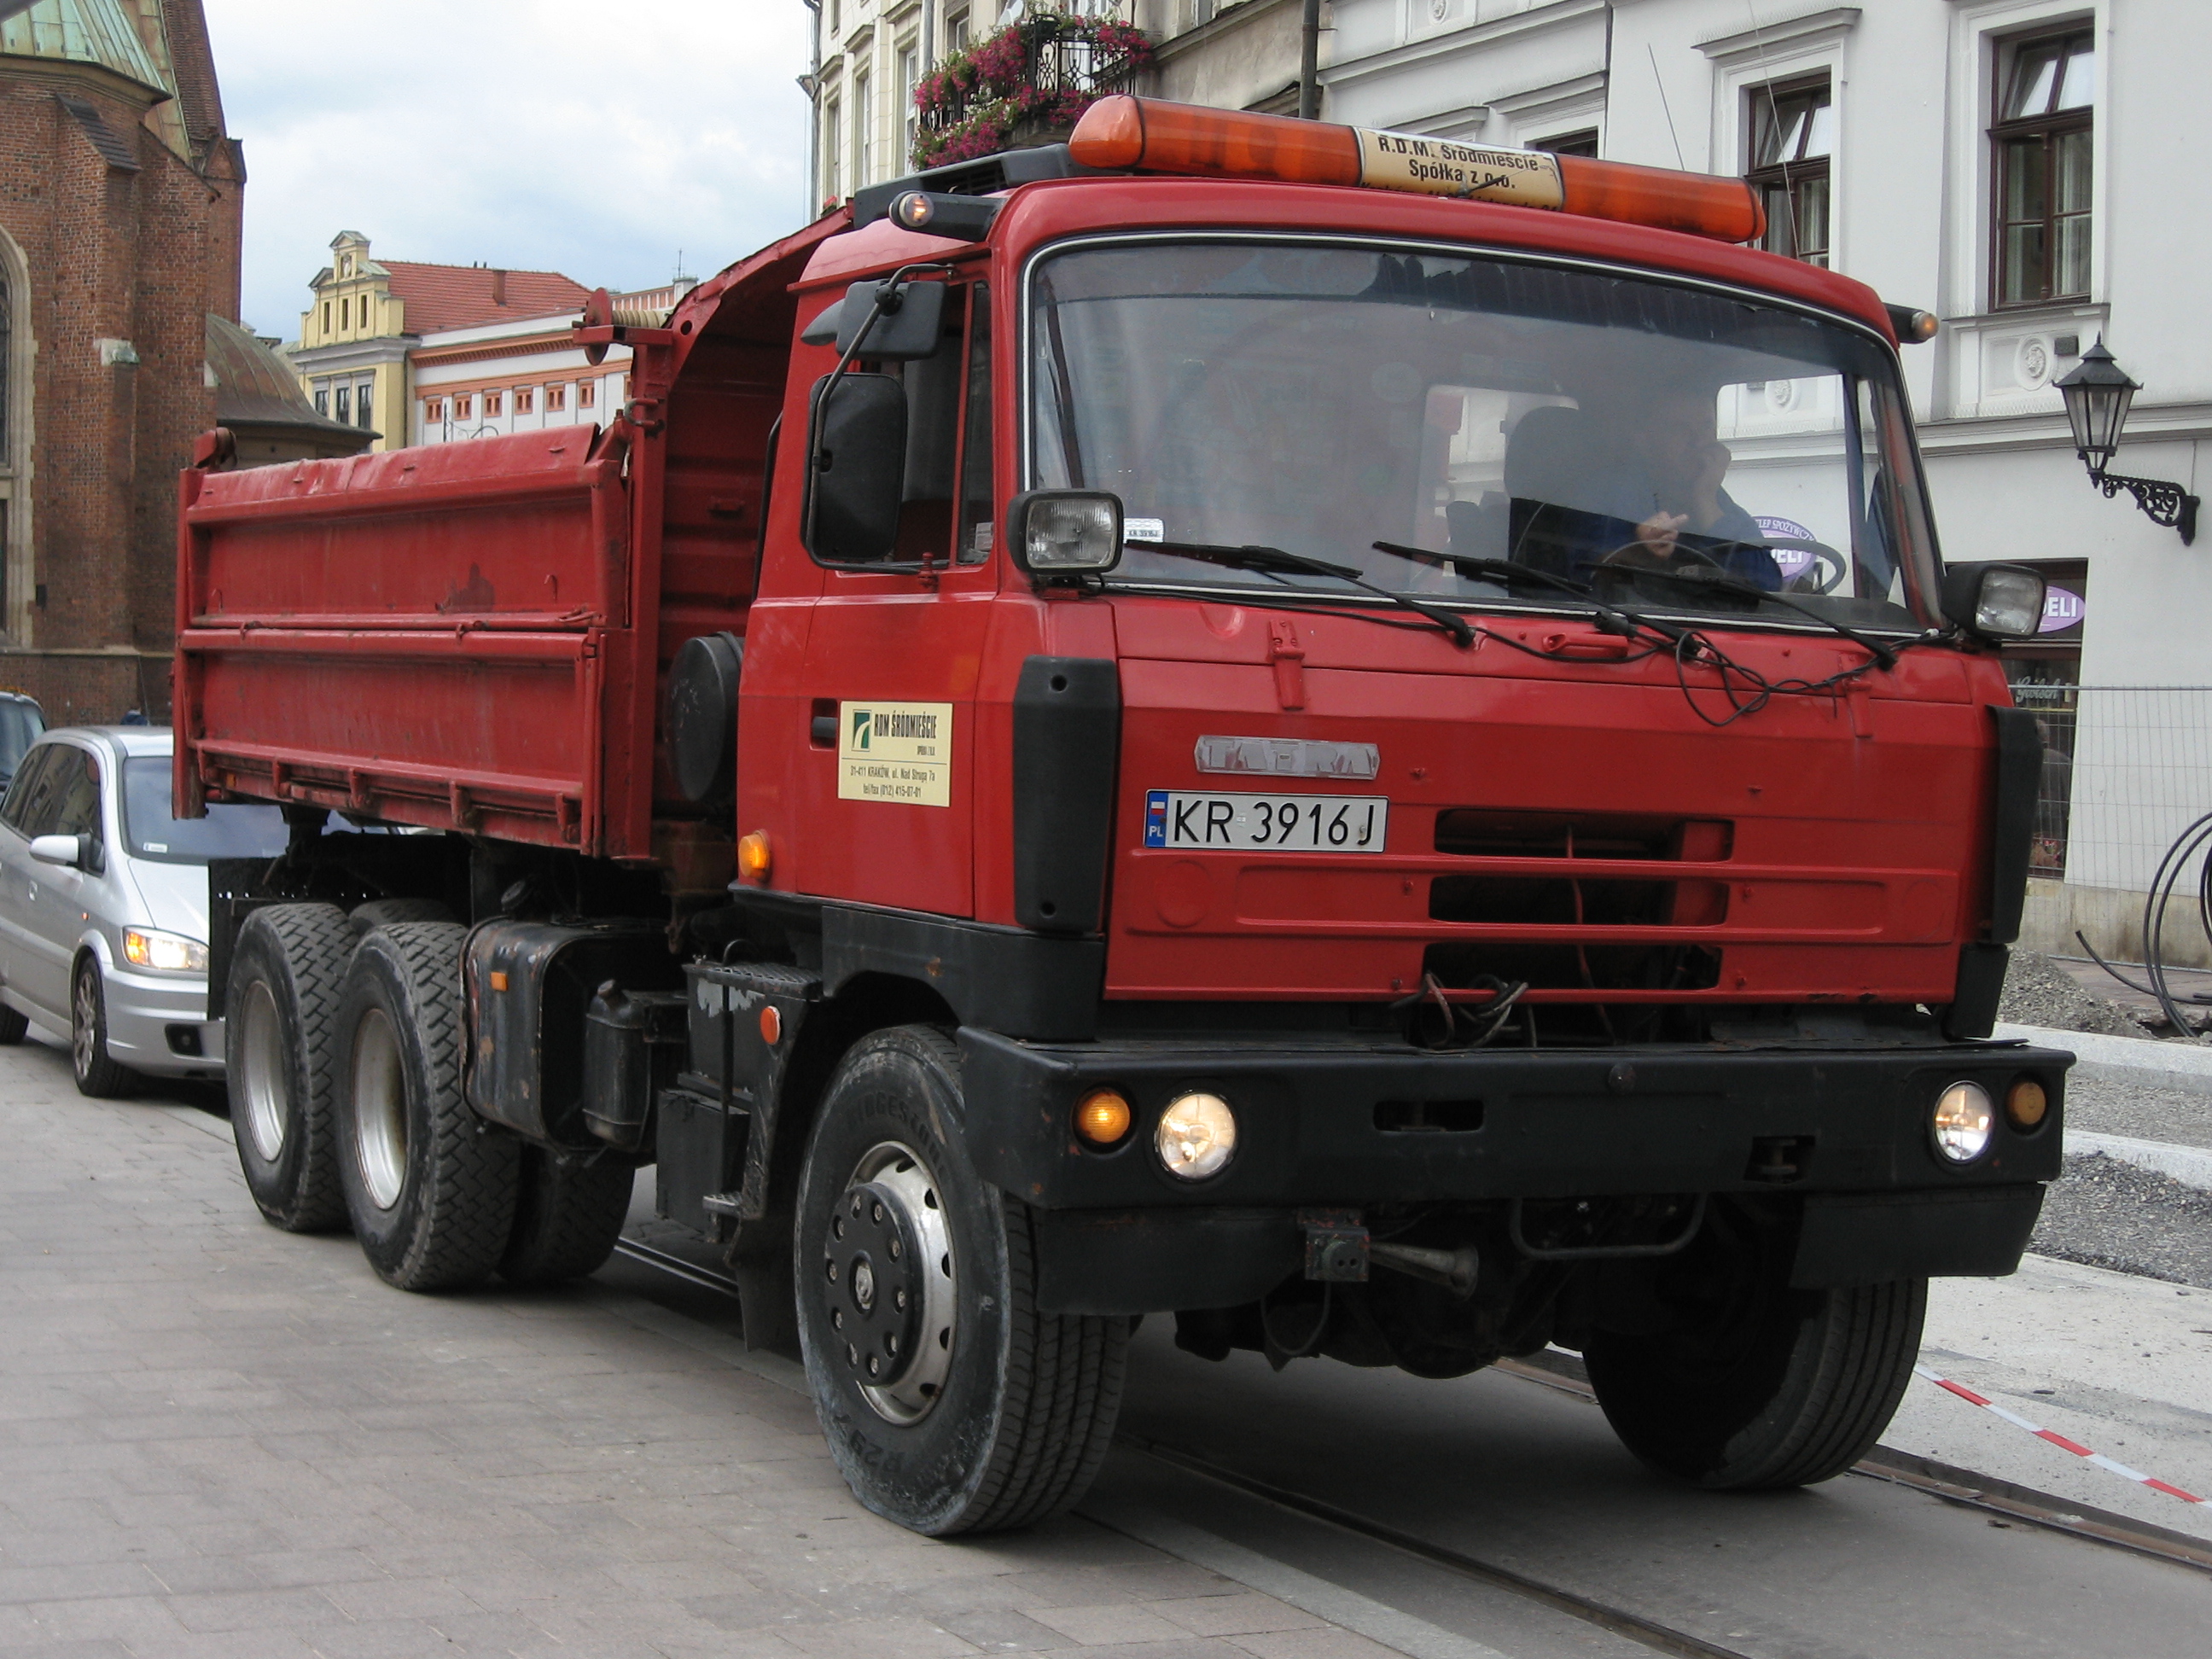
(2109, 1214)
(2133, 1108)
(2038, 991)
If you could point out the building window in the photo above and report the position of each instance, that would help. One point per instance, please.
(557, 398)
(322, 400)
(2042, 139)
(493, 402)
(1793, 132)
(909, 77)
(345, 410)
(833, 145)
(956, 32)
(434, 410)
(587, 393)
(327, 316)
(525, 400)
(7, 365)
(864, 131)
(364, 404)
(465, 408)
(836, 25)
(1571, 144)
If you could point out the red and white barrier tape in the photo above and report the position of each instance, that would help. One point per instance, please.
(2059, 1440)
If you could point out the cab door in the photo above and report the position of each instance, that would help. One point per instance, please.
(885, 789)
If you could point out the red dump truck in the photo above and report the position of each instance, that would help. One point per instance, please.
(1359, 741)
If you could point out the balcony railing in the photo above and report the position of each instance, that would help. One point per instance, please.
(1028, 84)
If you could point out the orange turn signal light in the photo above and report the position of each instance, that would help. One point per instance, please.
(1102, 1117)
(1152, 136)
(771, 1025)
(753, 855)
(2026, 1104)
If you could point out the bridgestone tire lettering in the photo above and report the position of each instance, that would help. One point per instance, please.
(298, 952)
(454, 1214)
(1029, 1405)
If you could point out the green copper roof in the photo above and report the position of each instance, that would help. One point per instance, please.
(101, 31)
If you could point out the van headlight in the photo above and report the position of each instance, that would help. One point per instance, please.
(163, 953)
(1963, 1117)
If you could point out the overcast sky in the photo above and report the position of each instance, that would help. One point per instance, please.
(576, 136)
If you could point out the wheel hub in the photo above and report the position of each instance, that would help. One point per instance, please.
(873, 1283)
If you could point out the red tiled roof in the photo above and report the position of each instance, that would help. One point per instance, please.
(464, 297)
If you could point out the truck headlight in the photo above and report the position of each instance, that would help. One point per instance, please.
(165, 953)
(1964, 1115)
(1197, 1135)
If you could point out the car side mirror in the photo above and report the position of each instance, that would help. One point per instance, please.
(856, 465)
(904, 325)
(68, 851)
(1995, 601)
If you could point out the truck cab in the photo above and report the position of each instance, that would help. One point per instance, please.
(1366, 747)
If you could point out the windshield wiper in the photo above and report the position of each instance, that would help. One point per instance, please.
(1509, 574)
(1274, 561)
(1720, 581)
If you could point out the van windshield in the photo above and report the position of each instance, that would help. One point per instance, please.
(1620, 431)
(226, 832)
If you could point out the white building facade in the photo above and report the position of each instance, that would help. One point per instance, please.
(2022, 168)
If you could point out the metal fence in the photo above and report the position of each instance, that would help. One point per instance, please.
(2125, 769)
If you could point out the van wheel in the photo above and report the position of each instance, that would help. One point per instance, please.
(280, 1042)
(1759, 1386)
(430, 1189)
(950, 1403)
(567, 1217)
(98, 1075)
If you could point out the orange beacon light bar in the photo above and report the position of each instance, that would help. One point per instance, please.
(1151, 136)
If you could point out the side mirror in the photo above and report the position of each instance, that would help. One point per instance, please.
(1064, 532)
(856, 467)
(68, 851)
(1995, 601)
(911, 328)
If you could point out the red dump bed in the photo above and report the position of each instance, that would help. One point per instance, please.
(437, 636)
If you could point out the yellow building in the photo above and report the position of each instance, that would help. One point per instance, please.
(366, 316)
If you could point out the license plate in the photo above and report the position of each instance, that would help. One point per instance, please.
(1283, 823)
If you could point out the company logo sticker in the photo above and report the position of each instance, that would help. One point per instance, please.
(896, 752)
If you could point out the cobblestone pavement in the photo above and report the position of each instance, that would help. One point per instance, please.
(217, 1439)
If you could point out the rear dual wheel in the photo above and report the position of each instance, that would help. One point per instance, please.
(429, 1187)
(281, 1031)
(951, 1402)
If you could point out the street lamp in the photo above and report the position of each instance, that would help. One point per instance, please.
(2098, 394)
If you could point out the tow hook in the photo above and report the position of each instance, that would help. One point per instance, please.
(1455, 1270)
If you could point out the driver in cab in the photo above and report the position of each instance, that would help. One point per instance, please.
(1641, 490)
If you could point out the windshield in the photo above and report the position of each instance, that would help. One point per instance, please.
(1645, 438)
(226, 832)
(20, 724)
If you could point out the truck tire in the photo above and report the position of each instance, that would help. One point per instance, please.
(950, 1403)
(1779, 1387)
(430, 1189)
(567, 1217)
(98, 1075)
(280, 1034)
(380, 912)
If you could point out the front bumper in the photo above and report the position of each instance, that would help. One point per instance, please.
(142, 1012)
(1842, 1134)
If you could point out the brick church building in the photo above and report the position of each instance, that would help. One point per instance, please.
(120, 200)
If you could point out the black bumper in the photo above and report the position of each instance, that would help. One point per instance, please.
(1844, 1132)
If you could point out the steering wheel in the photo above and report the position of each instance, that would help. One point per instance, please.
(1619, 559)
(1829, 570)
